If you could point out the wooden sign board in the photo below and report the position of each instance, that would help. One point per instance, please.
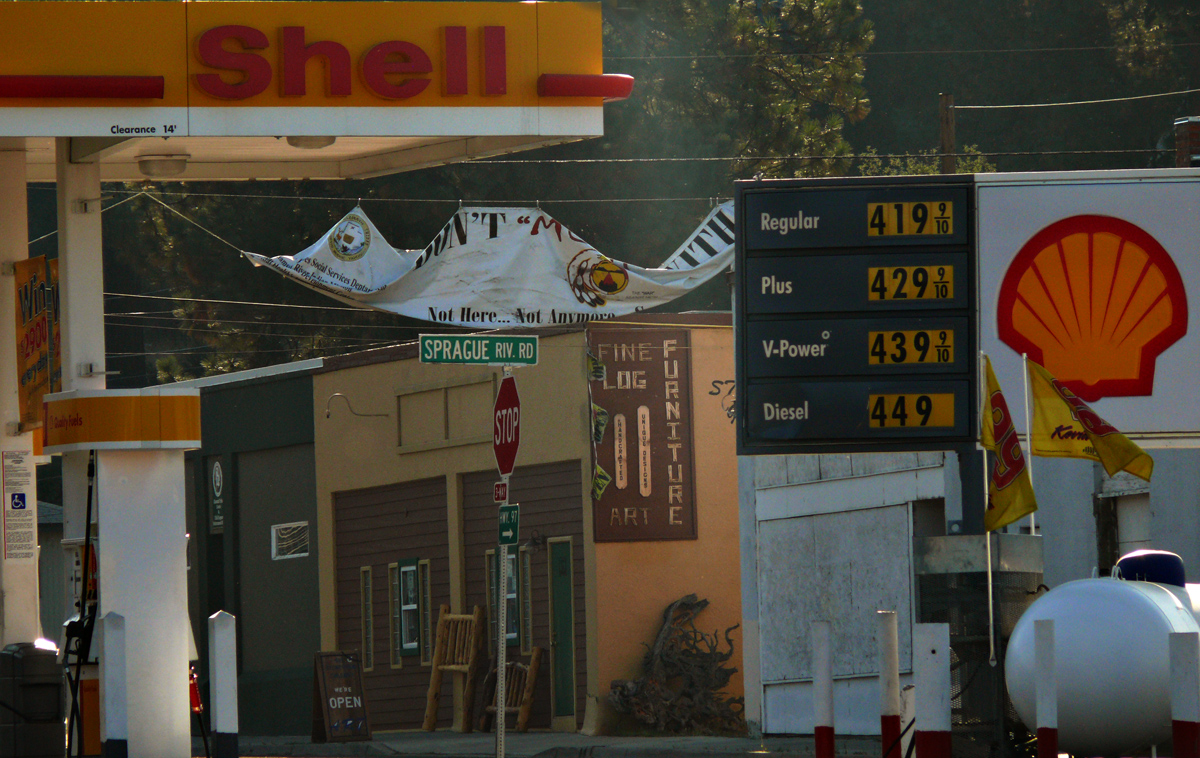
(339, 701)
(642, 427)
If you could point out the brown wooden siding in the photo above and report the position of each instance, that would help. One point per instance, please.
(376, 527)
(550, 496)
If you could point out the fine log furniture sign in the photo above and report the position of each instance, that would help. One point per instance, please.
(339, 704)
(855, 315)
(642, 418)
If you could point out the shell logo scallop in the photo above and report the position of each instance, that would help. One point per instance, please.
(1095, 300)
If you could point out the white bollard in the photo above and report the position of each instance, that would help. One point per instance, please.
(114, 719)
(908, 715)
(1046, 688)
(1185, 693)
(222, 688)
(822, 661)
(889, 683)
(931, 674)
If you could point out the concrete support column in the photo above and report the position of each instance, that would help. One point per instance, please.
(822, 661)
(931, 673)
(1185, 693)
(114, 721)
(80, 270)
(143, 577)
(20, 619)
(222, 673)
(889, 683)
(81, 297)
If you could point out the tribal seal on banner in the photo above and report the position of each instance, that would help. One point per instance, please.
(500, 267)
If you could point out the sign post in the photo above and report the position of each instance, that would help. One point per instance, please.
(506, 440)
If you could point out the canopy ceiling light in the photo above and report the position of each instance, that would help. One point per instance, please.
(311, 143)
(157, 166)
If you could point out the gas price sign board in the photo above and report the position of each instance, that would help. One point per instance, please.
(856, 315)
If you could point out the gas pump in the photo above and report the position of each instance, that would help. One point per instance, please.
(83, 726)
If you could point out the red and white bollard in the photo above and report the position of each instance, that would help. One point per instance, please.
(822, 658)
(1046, 688)
(931, 674)
(1185, 693)
(889, 683)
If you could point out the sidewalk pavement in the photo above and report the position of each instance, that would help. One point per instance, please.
(546, 744)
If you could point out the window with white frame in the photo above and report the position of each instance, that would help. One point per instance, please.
(409, 616)
(426, 612)
(514, 620)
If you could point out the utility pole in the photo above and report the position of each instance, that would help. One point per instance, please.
(946, 123)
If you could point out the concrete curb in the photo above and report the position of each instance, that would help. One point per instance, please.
(546, 745)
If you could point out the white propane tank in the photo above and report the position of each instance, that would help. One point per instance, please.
(1111, 653)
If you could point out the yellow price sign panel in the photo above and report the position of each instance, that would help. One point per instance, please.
(921, 346)
(910, 283)
(911, 410)
(908, 219)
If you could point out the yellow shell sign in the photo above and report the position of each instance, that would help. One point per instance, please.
(122, 420)
(1094, 299)
(170, 69)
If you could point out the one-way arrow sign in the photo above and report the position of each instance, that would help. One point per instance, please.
(510, 524)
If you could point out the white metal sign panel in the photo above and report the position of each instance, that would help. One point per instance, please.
(1092, 274)
(20, 506)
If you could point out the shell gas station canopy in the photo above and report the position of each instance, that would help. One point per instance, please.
(118, 91)
(275, 90)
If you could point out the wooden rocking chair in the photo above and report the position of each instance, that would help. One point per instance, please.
(519, 682)
(459, 644)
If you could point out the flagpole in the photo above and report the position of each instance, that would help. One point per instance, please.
(1028, 434)
(987, 535)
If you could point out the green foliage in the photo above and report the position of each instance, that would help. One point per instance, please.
(1002, 52)
(746, 80)
(970, 161)
(741, 85)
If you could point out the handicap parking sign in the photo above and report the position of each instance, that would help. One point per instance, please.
(18, 501)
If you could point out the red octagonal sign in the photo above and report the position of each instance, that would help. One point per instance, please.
(507, 438)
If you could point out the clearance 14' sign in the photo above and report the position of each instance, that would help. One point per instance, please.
(855, 310)
(331, 68)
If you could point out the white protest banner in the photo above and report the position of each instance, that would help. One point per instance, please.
(498, 267)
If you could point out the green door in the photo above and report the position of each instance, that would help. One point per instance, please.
(562, 628)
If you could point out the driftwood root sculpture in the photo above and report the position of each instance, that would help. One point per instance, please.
(684, 672)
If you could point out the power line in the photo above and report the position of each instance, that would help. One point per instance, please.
(198, 330)
(145, 317)
(1076, 102)
(878, 53)
(235, 302)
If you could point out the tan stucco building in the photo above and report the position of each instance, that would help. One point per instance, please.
(406, 519)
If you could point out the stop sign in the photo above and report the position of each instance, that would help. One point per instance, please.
(507, 437)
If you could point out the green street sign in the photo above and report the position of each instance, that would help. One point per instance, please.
(479, 349)
(510, 524)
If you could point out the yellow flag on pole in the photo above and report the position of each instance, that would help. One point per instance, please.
(1065, 427)
(1010, 493)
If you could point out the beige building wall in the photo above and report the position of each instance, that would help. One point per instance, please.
(401, 420)
(636, 581)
